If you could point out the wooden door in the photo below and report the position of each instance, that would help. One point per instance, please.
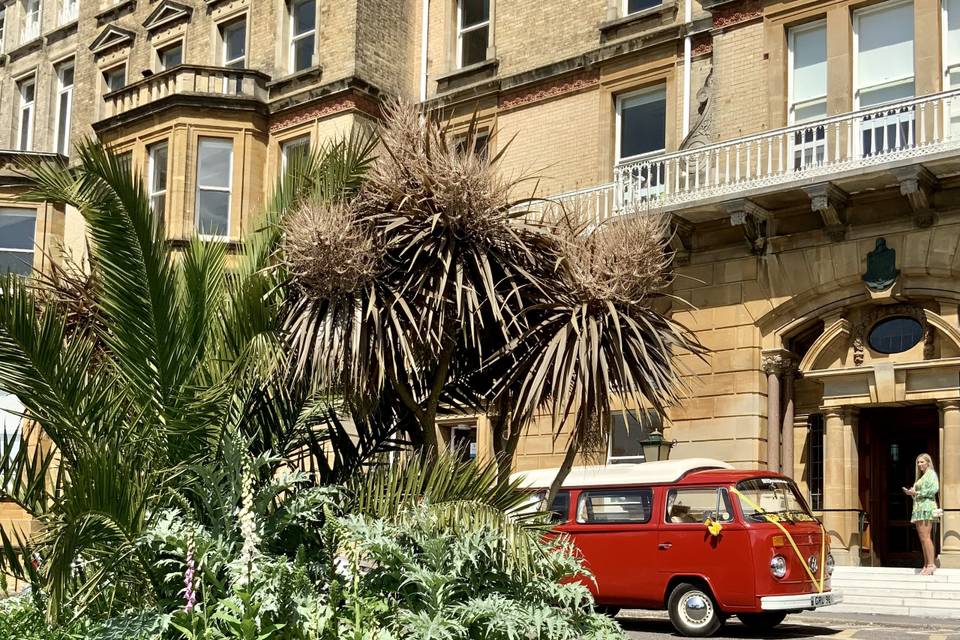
(896, 437)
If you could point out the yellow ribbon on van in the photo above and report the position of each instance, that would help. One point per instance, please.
(713, 526)
(775, 519)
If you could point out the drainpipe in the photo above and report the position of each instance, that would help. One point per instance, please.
(424, 33)
(687, 18)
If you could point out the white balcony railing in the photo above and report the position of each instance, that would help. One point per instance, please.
(901, 130)
(186, 80)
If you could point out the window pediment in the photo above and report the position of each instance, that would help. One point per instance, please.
(166, 13)
(111, 36)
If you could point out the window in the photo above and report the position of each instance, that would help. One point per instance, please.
(641, 123)
(214, 166)
(624, 506)
(895, 335)
(68, 12)
(808, 92)
(11, 415)
(31, 20)
(3, 25)
(115, 78)
(303, 34)
(815, 460)
(291, 149)
(698, 505)
(560, 509)
(27, 89)
(627, 430)
(772, 495)
(463, 441)
(17, 227)
(883, 72)
(641, 131)
(64, 106)
(481, 141)
(951, 60)
(473, 31)
(170, 56)
(233, 36)
(157, 177)
(633, 6)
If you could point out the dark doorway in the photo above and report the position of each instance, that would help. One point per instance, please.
(891, 439)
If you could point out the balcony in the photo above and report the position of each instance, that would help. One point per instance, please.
(855, 151)
(187, 85)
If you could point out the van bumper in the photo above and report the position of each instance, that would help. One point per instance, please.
(800, 601)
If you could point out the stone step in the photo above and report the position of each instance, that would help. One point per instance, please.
(919, 611)
(888, 591)
(919, 585)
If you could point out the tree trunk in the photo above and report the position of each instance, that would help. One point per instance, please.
(563, 472)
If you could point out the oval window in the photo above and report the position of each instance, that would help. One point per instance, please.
(895, 335)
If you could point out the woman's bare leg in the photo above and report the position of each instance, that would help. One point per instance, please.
(926, 543)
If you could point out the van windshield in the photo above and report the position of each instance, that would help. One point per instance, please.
(775, 496)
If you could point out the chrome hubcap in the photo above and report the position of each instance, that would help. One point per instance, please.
(696, 609)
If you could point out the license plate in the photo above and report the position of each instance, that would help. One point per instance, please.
(821, 600)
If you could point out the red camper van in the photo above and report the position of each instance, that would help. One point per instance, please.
(695, 537)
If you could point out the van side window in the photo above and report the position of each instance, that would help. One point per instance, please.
(696, 505)
(560, 509)
(631, 506)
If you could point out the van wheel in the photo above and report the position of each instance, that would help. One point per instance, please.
(693, 611)
(607, 610)
(762, 621)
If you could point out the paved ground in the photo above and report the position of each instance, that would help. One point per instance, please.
(651, 625)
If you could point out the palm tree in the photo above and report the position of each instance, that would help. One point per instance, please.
(172, 360)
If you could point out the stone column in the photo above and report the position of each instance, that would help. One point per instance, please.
(773, 417)
(786, 433)
(841, 483)
(950, 482)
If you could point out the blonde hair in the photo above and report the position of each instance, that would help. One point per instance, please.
(923, 456)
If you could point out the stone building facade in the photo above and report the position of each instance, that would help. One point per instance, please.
(807, 152)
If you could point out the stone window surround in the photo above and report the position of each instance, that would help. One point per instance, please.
(18, 83)
(157, 47)
(618, 18)
(452, 66)
(286, 63)
(243, 13)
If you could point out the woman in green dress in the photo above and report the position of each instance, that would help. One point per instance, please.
(924, 493)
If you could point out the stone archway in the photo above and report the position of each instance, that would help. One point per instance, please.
(838, 375)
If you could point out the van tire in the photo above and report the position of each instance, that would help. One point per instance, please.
(693, 611)
(762, 621)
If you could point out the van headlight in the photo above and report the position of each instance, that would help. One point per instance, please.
(830, 564)
(778, 566)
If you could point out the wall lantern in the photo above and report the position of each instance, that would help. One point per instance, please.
(656, 447)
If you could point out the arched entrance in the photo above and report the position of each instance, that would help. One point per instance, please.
(867, 384)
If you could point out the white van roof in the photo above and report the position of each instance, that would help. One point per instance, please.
(662, 472)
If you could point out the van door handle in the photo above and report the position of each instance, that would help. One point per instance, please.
(663, 546)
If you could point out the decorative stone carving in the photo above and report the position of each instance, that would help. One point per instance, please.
(681, 242)
(779, 362)
(882, 270)
(831, 203)
(701, 133)
(755, 221)
(917, 184)
(877, 314)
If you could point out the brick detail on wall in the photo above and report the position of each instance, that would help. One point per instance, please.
(738, 14)
(551, 89)
(327, 107)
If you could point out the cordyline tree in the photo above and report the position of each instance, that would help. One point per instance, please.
(435, 286)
